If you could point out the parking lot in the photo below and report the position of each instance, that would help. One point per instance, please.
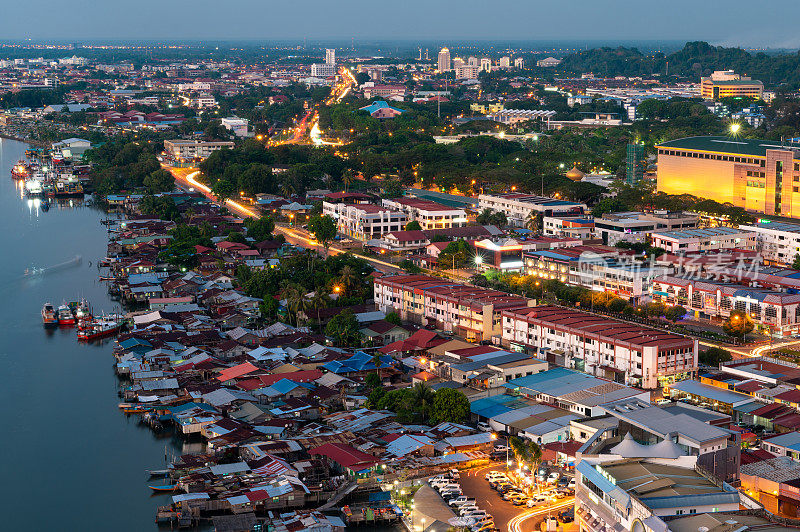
(532, 505)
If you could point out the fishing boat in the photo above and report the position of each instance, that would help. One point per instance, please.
(21, 170)
(65, 315)
(98, 328)
(164, 487)
(158, 473)
(49, 316)
(82, 311)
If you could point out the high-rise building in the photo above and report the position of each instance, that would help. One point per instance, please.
(505, 62)
(758, 175)
(519, 63)
(457, 62)
(472, 61)
(635, 163)
(444, 60)
(486, 64)
(330, 56)
(323, 70)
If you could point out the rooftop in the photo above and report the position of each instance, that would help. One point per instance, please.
(729, 145)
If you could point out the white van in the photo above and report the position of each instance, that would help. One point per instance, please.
(484, 427)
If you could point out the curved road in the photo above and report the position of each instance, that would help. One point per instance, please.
(187, 178)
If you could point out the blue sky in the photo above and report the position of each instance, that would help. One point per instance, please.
(733, 22)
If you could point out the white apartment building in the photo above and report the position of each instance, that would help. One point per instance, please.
(467, 71)
(323, 70)
(698, 240)
(198, 101)
(364, 221)
(621, 351)
(429, 214)
(330, 56)
(486, 64)
(777, 242)
(568, 226)
(238, 126)
(443, 63)
(471, 312)
(638, 226)
(518, 207)
(193, 149)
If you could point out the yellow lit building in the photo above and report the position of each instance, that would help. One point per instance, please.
(761, 176)
(727, 84)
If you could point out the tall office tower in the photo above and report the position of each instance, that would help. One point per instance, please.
(472, 61)
(444, 60)
(457, 62)
(330, 56)
(505, 62)
(634, 163)
(486, 64)
(519, 63)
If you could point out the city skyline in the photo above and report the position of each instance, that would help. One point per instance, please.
(248, 20)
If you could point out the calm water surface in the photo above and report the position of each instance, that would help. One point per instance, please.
(69, 459)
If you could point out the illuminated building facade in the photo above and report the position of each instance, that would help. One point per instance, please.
(759, 175)
(727, 84)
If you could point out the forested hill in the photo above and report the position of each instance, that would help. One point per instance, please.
(694, 60)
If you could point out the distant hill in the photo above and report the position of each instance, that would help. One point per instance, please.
(694, 60)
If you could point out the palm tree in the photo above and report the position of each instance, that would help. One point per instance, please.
(348, 276)
(347, 178)
(287, 189)
(376, 360)
(534, 222)
(317, 302)
(422, 396)
(295, 300)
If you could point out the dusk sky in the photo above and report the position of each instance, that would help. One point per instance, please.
(736, 22)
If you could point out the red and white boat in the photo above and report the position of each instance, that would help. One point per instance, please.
(21, 170)
(65, 315)
(99, 328)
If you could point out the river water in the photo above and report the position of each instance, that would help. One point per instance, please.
(70, 459)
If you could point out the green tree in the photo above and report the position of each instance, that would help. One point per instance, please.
(268, 308)
(457, 254)
(260, 229)
(714, 355)
(738, 324)
(344, 329)
(159, 181)
(413, 225)
(449, 405)
(324, 229)
(394, 317)
(373, 380)
(224, 189)
(796, 262)
(674, 313)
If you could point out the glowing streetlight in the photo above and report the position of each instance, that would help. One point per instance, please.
(478, 260)
(735, 128)
(337, 289)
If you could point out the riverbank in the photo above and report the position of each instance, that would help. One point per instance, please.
(63, 428)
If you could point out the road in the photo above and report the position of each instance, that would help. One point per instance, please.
(187, 178)
(507, 517)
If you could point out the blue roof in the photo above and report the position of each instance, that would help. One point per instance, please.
(376, 105)
(556, 381)
(713, 393)
(790, 440)
(360, 361)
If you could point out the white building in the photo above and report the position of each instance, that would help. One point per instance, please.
(518, 207)
(238, 126)
(193, 149)
(505, 62)
(330, 56)
(777, 242)
(616, 350)
(467, 71)
(364, 221)
(323, 70)
(516, 116)
(519, 63)
(444, 60)
(710, 239)
(429, 214)
(199, 101)
(638, 226)
(486, 64)
(548, 62)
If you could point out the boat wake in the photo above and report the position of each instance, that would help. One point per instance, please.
(73, 262)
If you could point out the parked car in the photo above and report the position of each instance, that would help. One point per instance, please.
(494, 475)
(552, 478)
(536, 499)
(519, 500)
(467, 508)
(484, 427)
(463, 499)
(571, 484)
(454, 474)
(567, 516)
